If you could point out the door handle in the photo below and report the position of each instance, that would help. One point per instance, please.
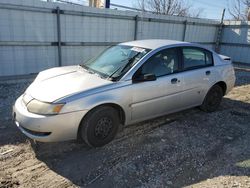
(208, 72)
(174, 81)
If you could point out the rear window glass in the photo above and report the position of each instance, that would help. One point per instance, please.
(196, 58)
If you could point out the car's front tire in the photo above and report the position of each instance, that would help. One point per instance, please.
(213, 99)
(100, 126)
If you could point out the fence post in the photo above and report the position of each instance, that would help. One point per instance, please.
(59, 44)
(136, 27)
(219, 33)
(184, 30)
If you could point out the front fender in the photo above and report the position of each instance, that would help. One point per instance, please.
(120, 96)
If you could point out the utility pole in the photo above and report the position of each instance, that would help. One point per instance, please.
(219, 33)
(248, 14)
(107, 4)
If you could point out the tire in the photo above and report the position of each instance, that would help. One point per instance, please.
(213, 99)
(100, 126)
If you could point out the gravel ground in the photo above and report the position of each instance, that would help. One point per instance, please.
(190, 148)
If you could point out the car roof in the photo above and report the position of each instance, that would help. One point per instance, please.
(153, 43)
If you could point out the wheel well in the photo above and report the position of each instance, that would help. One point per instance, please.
(223, 86)
(119, 110)
(113, 105)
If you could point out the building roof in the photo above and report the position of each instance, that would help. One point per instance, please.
(153, 43)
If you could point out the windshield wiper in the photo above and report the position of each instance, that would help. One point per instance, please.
(112, 74)
(90, 70)
(122, 67)
(84, 66)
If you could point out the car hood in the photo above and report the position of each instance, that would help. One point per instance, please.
(56, 83)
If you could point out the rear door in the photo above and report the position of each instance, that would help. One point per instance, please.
(198, 75)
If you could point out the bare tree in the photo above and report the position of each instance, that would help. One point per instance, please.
(240, 10)
(196, 13)
(168, 7)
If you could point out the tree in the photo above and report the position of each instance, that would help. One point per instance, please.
(168, 7)
(240, 10)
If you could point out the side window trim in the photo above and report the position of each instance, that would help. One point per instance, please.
(211, 54)
(178, 51)
(196, 67)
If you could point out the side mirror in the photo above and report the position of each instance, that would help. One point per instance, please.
(144, 78)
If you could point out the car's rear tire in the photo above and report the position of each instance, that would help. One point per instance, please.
(100, 126)
(213, 99)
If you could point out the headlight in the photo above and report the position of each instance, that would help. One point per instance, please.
(26, 98)
(44, 108)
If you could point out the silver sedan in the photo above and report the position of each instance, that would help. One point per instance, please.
(125, 84)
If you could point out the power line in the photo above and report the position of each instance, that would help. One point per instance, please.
(126, 7)
(130, 8)
(214, 5)
(71, 2)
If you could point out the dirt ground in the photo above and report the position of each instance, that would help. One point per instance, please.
(190, 148)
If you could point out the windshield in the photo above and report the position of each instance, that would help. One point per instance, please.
(115, 61)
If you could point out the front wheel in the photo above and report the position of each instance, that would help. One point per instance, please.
(213, 99)
(100, 126)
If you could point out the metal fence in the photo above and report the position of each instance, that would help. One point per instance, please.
(235, 41)
(36, 35)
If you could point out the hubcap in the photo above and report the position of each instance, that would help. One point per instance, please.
(103, 127)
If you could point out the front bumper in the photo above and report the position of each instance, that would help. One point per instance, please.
(47, 128)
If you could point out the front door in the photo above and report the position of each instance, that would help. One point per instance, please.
(158, 97)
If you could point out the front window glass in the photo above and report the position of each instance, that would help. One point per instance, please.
(115, 61)
(162, 63)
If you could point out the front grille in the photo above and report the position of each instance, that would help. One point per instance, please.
(36, 133)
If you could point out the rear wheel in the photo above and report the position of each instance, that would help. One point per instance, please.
(100, 126)
(213, 99)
